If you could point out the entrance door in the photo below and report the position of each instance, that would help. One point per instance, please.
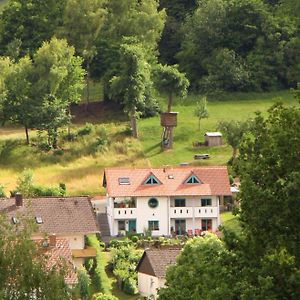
(132, 225)
(180, 227)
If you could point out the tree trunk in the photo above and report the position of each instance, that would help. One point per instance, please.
(27, 135)
(134, 123)
(170, 102)
(87, 86)
(234, 152)
(54, 138)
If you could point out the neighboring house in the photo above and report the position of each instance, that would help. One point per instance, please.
(166, 201)
(213, 139)
(58, 253)
(68, 218)
(152, 269)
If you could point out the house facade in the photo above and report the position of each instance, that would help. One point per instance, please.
(152, 269)
(165, 201)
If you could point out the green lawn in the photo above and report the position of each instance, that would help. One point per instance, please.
(82, 173)
(230, 221)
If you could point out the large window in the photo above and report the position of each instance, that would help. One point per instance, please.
(153, 202)
(152, 180)
(205, 202)
(206, 224)
(179, 202)
(153, 225)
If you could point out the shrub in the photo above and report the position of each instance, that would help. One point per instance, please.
(2, 193)
(134, 238)
(44, 191)
(86, 130)
(84, 282)
(130, 286)
(58, 152)
(99, 276)
(70, 137)
(120, 243)
(101, 296)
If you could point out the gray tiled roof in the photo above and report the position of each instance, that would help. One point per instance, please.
(69, 215)
(156, 261)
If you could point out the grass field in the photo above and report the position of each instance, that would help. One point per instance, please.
(82, 172)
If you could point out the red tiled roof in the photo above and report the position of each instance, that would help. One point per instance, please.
(72, 215)
(61, 252)
(214, 181)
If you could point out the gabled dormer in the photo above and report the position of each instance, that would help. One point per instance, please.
(193, 179)
(152, 180)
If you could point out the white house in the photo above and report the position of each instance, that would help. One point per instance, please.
(166, 201)
(152, 269)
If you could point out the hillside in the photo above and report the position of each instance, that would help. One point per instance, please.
(80, 166)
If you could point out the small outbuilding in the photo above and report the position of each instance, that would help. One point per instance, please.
(152, 270)
(213, 139)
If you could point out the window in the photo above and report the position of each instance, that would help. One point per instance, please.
(179, 202)
(153, 225)
(15, 220)
(152, 180)
(121, 225)
(206, 224)
(124, 180)
(153, 202)
(39, 220)
(206, 202)
(192, 180)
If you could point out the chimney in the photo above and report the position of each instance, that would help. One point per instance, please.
(19, 199)
(52, 240)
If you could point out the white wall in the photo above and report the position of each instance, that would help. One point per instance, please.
(148, 285)
(146, 213)
(75, 241)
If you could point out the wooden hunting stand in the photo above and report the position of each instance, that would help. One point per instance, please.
(168, 121)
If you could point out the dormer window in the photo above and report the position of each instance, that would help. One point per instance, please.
(152, 180)
(193, 180)
(39, 220)
(124, 180)
(15, 220)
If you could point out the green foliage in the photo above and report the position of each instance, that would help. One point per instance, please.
(200, 272)
(84, 282)
(86, 130)
(234, 131)
(201, 111)
(239, 45)
(26, 186)
(125, 258)
(99, 276)
(26, 24)
(169, 80)
(268, 166)
(101, 296)
(2, 191)
(25, 183)
(23, 277)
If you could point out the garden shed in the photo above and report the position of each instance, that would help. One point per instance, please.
(213, 139)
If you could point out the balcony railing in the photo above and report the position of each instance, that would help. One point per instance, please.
(197, 212)
(125, 213)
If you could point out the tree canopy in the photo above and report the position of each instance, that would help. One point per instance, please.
(24, 273)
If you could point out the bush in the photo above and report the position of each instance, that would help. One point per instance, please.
(99, 276)
(134, 238)
(86, 130)
(84, 282)
(2, 193)
(59, 152)
(130, 286)
(117, 244)
(101, 296)
(70, 137)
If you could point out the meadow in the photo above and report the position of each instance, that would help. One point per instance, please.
(81, 163)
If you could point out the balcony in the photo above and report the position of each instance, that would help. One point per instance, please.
(181, 212)
(125, 213)
(206, 212)
(197, 212)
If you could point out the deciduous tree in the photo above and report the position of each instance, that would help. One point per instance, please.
(201, 111)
